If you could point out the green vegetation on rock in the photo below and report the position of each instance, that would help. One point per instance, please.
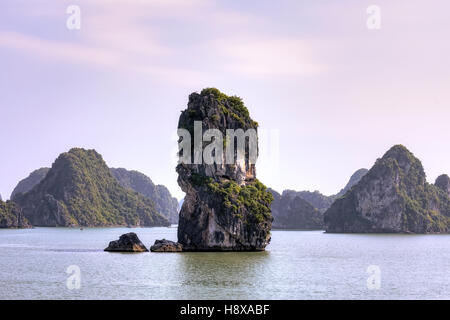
(231, 107)
(225, 207)
(233, 102)
(11, 216)
(253, 196)
(79, 190)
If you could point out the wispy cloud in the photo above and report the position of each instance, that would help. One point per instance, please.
(268, 56)
(132, 36)
(57, 49)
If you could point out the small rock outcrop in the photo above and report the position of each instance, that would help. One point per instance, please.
(393, 197)
(443, 183)
(29, 182)
(128, 242)
(166, 246)
(79, 190)
(159, 194)
(11, 216)
(226, 208)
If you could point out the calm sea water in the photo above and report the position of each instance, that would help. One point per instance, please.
(296, 265)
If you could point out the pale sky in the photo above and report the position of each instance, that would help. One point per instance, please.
(337, 94)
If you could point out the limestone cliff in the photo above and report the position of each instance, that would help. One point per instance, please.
(226, 208)
(79, 190)
(392, 197)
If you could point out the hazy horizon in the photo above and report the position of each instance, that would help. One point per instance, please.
(337, 94)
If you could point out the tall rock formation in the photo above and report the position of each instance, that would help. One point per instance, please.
(226, 208)
(29, 182)
(11, 216)
(392, 197)
(79, 190)
(159, 194)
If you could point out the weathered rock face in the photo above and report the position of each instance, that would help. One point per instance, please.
(166, 246)
(292, 212)
(226, 208)
(29, 182)
(354, 179)
(79, 190)
(11, 216)
(443, 183)
(159, 194)
(392, 197)
(128, 242)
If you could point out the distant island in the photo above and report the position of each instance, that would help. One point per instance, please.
(304, 209)
(393, 197)
(133, 180)
(159, 194)
(79, 190)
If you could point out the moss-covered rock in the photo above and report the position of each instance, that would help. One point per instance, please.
(226, 208)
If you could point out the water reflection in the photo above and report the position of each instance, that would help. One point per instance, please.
(229, 271)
